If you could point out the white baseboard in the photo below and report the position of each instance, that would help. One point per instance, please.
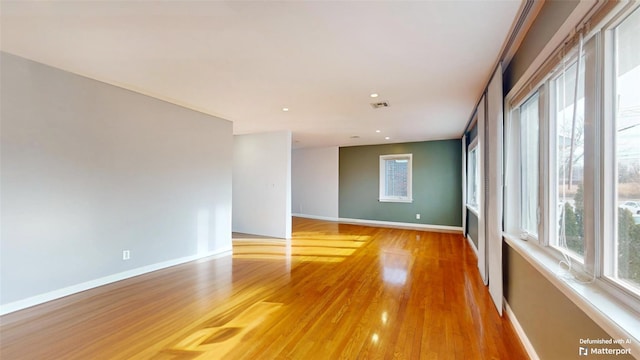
(316, 217)
(70, 290)
(473, 246)
(391, 224)
(520, 332)
(401, 225)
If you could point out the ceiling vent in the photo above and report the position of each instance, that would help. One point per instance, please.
(381, 104)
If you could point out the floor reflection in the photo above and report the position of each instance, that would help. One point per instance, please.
(395, 266)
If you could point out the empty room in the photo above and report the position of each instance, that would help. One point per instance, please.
(320, 179)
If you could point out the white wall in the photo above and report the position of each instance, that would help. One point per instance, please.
(89, 170)
(315, 182)
(262, 184)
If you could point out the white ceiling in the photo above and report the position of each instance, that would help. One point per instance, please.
(245, 61)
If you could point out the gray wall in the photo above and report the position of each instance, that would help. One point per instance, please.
(551, 321)
(89, 169)
(552, 15)
(472, 227)
(436, 183)
(314, 182)
(262, 184)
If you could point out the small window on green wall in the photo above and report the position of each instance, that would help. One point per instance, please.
(395, 178)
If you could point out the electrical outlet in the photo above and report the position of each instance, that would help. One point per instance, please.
(126, 254)
(418, 216)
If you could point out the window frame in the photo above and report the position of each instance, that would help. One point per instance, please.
(607, 245)
(473, 148)
(524, 233)
(550, 164)
(547, 213)
(612, 303)
(590, 289)
(382, 196)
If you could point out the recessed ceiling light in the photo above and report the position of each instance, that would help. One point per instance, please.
(285, 109)
(378, 131)
(387, 138)
(374, 95)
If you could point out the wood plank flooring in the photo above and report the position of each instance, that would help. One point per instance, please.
(335, 291)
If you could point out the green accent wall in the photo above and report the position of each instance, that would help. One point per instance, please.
(437, 183)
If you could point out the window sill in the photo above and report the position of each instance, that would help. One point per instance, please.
(396, 200)
(474, 211)
(614, 317)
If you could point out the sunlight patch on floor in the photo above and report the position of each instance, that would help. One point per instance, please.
(303, 247)
(216, 342)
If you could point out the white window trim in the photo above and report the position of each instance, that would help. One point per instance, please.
(513, 119)
(549, 164)
(474, 146)
(397, 199)
(607, 184)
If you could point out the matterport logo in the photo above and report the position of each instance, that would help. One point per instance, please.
(600, 350)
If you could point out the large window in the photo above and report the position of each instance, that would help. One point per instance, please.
(473, 177)
(529, 125)
(573, 166)
(567, 144)
(624, 262)
(395, 178)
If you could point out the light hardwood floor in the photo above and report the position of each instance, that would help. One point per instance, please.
(334, 291)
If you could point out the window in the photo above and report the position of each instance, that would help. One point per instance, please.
(395, 178)
(529, 124)
(473, 177)
(624, 262)
(567, 187)
(573, 169)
